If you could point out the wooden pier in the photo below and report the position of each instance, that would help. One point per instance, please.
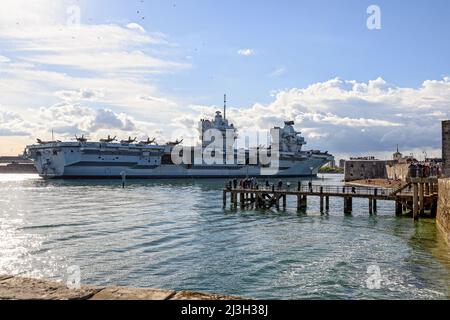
(415, 197)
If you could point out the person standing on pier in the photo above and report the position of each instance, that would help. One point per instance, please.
(280, 184)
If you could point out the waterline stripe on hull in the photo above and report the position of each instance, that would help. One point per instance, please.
(135, 165)
(166, 177)
(105, 164)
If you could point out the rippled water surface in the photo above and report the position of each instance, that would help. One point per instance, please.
(175, 234)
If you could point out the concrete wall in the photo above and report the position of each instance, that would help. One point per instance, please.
(397, 171)
(446, 147)
(365, 169)
(443, 213)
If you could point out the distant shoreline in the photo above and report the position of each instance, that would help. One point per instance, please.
(18, 168)
(331, 171)
(384, 183)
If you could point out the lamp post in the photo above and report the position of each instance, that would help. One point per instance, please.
(311, 168)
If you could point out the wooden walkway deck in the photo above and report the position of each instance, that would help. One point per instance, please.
(414, 197)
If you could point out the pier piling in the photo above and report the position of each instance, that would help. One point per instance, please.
(398, 208)
(415, 201)
(421, 196)
(348, 205)
(224, 199)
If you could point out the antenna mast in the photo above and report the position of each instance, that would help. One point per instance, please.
(224, 107)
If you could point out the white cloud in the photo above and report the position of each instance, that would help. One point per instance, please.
(246, 52)
(68, 119)
(135, 26)
(108, 64)
(332, 114)
(4, 59)
(79, 95)
(100, 79)
(343, 117)
(12, 124)
(107, 119)
(36, 13)
(347, 117)
(96, 48)
(278, 72)
(46, 55)
(135, 61)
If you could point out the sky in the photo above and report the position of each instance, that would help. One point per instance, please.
(355, 81)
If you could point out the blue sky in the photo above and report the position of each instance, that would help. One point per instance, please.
(153, 68)
(311, 40)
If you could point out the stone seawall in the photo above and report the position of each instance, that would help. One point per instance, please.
(18, 288)
(443, 213)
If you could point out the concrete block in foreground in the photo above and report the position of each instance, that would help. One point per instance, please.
(188, 295)
(16, 288)
(124, 293)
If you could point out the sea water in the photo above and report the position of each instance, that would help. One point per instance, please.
(175, 234)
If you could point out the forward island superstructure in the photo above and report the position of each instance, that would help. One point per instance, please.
(108, 158)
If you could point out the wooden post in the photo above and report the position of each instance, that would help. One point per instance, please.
(421, 196)
(370, 206)
(224, 199)
(374, 200)
(398, 208)
(433, 208)
(242, 195)
(327, 203)
(284, 201)
(321, 204)
(347, 205)
(299, 202)
(415, 201)
(427, 188)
